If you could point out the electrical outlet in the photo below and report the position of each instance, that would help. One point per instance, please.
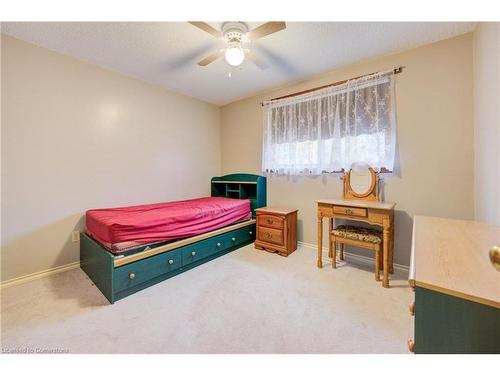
(75, 236)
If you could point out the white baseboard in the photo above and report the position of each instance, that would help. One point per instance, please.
(39, 275)
(357, 258)
(52, 271)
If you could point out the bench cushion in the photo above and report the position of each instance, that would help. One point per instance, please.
(358, 233)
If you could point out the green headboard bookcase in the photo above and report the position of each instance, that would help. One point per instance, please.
(241, 186)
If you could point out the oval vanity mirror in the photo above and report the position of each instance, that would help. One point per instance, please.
(361, 179)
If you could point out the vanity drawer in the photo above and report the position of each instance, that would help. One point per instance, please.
(270, 235)
(270, 221)
(349, 211)
(146, 269)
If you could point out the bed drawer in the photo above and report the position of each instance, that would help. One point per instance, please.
(244, 235)
(210, 246)
(143, 270)
(197, 251)
(228, 240)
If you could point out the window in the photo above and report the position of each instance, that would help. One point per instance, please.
(329, 129)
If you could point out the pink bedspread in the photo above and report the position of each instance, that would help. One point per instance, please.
(122, 228)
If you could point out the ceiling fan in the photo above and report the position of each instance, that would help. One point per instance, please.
(235, 34)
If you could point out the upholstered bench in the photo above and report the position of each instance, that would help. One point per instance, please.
(357, 236)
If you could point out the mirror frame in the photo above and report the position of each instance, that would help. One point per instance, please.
(372, 194)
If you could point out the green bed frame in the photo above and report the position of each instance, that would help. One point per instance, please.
(118, 276)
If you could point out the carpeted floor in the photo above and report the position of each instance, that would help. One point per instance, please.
(248, 301)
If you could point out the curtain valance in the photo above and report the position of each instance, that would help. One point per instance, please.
(329, 129)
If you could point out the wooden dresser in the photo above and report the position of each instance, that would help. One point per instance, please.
(276, 230)
(457, 290)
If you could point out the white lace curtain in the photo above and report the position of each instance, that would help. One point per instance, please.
(329, 129)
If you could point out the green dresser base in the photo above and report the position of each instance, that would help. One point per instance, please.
(447, 325)
(117, 283)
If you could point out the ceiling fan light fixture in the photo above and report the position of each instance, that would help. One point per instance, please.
(235, 35)
(234, 55)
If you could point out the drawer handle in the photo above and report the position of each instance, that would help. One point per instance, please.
(412, 308)
(131, 276)
(268, 235)
(411, 345)
(250, 233)
(495, 257)
(193, 253)
(233, 239)
(269, 221)
(349, 211)
(219, 244)
(170, 261)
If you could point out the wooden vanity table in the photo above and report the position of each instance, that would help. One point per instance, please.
(361, 201)
(371, 212)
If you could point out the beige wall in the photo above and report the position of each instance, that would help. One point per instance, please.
(435, 140)
(487, 122)
(75, 136)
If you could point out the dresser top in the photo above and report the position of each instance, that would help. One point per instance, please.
(359, 203)
(280, 211)
(451, 256)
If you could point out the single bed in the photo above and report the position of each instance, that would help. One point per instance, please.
(123, 229)
(127, 249)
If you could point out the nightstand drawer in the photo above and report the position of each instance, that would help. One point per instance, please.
(270, 221)
(270, 235)
(349, 211)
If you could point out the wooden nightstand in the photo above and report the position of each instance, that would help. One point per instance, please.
(276, 230)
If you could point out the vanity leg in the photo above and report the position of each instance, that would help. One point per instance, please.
(334, 255)
(391, 251)
(377, 264)
(320, 241)
(330, 228)
(385, 283)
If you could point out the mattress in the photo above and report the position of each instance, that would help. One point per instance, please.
(123, 228)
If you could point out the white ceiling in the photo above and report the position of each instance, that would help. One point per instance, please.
(165, 53)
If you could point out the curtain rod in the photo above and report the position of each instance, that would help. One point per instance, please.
(395, 71)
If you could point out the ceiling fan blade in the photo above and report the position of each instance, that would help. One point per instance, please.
(256, 60)
(266, 29)
(207, 28)
(211, 58)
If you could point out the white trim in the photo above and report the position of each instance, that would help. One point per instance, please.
(67, 267)
(39, 275)
(359, 258)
